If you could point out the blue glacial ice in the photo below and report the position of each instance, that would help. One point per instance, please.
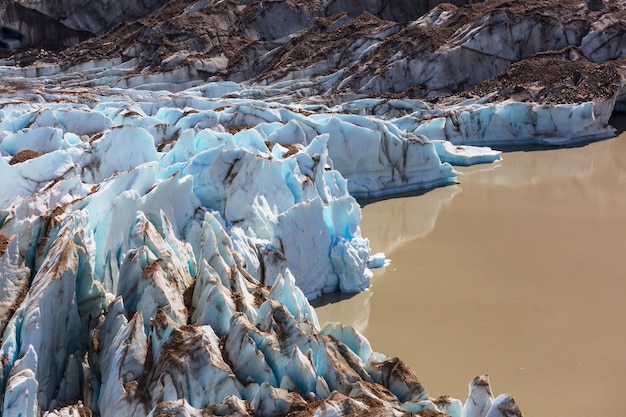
(162, 248)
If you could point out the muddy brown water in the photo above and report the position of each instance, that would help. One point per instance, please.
(518, 272)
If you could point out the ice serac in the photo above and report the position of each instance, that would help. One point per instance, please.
(269, 199)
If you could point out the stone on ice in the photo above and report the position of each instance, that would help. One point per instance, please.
(49, 166)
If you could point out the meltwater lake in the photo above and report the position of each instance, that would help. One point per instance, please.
(518, 272)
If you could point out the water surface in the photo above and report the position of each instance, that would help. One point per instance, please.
(519, 272)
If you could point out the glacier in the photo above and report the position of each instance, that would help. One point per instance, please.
(162, 246)
(176, 189)
(159, 250)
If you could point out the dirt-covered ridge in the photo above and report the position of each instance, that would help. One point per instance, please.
(375, 50)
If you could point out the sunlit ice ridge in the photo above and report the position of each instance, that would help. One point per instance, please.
(168, 209)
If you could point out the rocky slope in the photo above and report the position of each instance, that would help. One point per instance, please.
(378, 48)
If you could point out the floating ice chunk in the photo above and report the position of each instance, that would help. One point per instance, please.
(377, 260)
(465, 155)
(348, 258)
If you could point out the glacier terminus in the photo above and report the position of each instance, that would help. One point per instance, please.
(179, 179)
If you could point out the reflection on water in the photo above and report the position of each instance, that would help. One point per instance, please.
(390, 226)
(354, 311)
(518, 272)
